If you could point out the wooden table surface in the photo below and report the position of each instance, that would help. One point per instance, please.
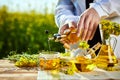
(96, 74)
(10, 72)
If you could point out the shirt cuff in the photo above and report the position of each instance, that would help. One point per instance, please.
(102, 13)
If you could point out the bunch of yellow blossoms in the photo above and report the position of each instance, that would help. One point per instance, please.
(110, 27)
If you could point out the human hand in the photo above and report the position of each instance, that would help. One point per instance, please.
(88, 24)
(67, 26)
(70, 31)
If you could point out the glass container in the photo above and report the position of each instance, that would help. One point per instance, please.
(49, 60)
(106, 59)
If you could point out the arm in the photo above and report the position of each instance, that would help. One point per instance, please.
(65, 18)
(90, 18)
(64, 13)
(107, 8)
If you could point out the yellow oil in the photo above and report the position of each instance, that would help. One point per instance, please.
(83, 64)
(49, 64)
(106, 58)
(71, 37)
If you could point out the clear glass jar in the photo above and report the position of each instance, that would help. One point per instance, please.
(49, 60)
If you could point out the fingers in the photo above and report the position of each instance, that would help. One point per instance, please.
(66, 30)
(64, 40)
(65, 43)
(83, 26)
(88, 24)
(87, 29)
(67, 46)
(90, 31)
(72, 25)
(96, 21)
(95, 25)
(63, 28)
(80, 26)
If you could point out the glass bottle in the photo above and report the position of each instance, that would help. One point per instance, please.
(68, 37)
(106, 59)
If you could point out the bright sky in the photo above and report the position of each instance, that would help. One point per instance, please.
(27, 5)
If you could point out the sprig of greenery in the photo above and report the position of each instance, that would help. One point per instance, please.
(24, 59)
(27, 60)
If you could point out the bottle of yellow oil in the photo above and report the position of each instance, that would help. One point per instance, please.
(106, 59)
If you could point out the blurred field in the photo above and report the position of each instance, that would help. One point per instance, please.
(25, 32)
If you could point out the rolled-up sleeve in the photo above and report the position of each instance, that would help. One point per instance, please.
(64, 12)
(107, 8)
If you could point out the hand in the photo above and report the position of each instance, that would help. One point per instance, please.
(88, 24)
(69, 30)
(67, 26)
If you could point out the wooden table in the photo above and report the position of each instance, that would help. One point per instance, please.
(10, 72)
(96, 74)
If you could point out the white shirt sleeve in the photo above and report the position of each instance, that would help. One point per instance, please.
(107, 8)
(64, 13)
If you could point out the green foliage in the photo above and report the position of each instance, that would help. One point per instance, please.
(22, 32)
